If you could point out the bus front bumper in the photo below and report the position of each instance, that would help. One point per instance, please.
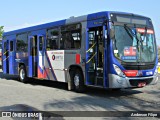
(116, 81)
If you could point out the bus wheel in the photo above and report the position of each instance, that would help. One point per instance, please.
(70, 80)
(78, 81)
(22, 74)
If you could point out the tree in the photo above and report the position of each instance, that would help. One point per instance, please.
(1, 31)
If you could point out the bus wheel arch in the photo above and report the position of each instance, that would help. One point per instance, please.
(22, 73)
(76, 79)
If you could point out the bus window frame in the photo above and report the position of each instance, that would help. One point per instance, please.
(16, 46)
(47, 34)
(11, 46)
(71, 31)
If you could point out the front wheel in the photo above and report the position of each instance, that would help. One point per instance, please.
(78, 81)
(22, 74)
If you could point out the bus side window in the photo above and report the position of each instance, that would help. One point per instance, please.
(52, 39)
(11, 46)
(31, 43)
(67, 40)
(22, 42)
(70, 37)
(76, 39)
(40, 43)
(5, 47)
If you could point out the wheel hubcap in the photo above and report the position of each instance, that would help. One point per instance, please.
(76, 80)
(22, 74)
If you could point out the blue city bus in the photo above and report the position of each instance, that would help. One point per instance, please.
(108, 49)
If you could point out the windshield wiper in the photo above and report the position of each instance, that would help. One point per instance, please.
(128, 31)
(131, 34)
(143, 38)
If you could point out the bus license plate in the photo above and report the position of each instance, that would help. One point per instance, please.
(141, 84)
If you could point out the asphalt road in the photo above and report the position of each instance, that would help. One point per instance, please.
(40, 95)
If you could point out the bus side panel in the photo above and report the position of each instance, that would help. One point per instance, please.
(70, 59)
(21, 58)
(56, 64)
(49, 68)
(46, 70)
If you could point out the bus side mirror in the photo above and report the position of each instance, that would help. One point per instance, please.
(112, 34)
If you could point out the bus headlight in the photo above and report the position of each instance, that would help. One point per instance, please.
(118, 71)
(157, 70)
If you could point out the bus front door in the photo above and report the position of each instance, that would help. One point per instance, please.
(5, 56)
(95, 61)
(32, 56)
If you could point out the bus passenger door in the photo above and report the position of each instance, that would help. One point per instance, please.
(40, 56)
(95, 57)
(32, 56)
(5, 56)
(12, 55)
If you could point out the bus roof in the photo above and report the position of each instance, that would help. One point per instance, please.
(63, 22)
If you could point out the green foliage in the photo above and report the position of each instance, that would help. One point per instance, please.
(1, 31)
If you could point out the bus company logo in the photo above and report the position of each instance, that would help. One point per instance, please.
(140, 73)
(57, 57)
(53, 57)
(6, 114)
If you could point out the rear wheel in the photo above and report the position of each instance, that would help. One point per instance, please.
(77, 80)
(22, 74)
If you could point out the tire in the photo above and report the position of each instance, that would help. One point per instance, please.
(22, 74)
(70, 80)
(77, 81)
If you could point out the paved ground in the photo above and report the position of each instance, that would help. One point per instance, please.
(52, 96)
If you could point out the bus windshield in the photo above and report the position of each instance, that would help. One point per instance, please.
(134, 44)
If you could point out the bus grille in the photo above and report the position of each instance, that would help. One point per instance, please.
(134, 82)
(138, 67)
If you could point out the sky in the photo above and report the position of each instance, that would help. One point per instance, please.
(16, 14)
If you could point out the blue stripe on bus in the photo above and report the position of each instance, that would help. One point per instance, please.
(40, 69)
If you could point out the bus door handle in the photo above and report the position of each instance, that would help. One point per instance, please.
(91, 58)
